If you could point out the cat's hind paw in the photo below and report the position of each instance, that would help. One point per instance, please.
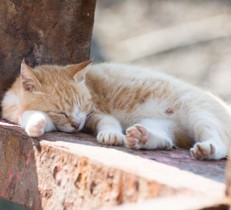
(136, 137)
(36, 126)
(203, 151)
(110, 137)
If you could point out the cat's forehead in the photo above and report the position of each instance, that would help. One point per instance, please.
(49, 74)
(60, 88)
(55, 80)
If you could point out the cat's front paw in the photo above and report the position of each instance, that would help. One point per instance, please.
(136, 137)
(36, 126)
(208, 150)
(110, 137)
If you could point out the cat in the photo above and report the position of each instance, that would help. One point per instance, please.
(123, 104)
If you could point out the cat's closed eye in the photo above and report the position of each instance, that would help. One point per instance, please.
(58, 113)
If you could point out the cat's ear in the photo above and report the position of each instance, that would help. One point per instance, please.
(78, 71)
(29, 81)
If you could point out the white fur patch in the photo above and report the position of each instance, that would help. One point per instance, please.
(79, 117)
(10, 99)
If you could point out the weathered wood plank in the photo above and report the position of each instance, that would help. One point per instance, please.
(177, 202)
(74, 172)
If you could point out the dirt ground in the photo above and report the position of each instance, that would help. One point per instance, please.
(189, 39)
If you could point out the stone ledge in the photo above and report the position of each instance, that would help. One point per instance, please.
(63, 171)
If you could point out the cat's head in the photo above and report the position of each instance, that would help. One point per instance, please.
(59, 91)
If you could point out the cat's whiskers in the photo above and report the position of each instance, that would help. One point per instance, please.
(89, 114)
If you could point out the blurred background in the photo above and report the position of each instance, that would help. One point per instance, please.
(190, 39)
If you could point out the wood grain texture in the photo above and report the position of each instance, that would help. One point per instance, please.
(73, 171)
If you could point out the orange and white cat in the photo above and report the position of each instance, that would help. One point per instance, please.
(123, 104)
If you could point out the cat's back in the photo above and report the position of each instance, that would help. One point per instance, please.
(123, 87)
(109, 79)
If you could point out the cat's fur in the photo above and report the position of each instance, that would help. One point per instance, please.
(128, 105)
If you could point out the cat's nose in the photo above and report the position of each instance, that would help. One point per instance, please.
(75, 125)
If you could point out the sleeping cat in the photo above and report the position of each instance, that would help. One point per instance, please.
(122, 104)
